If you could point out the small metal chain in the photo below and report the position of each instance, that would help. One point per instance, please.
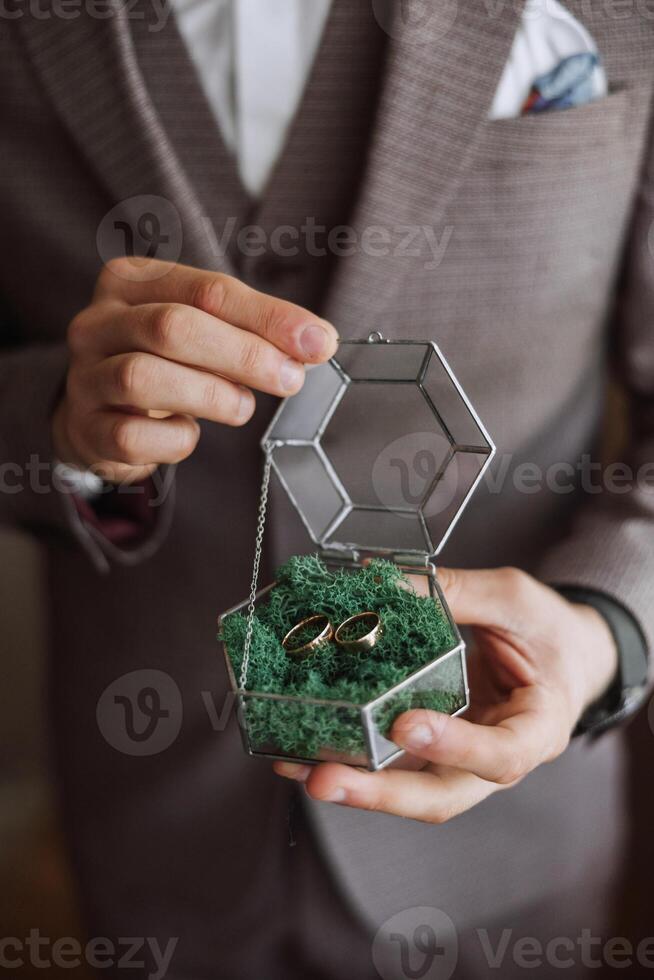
(261, 526)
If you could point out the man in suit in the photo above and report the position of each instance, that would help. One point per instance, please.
(112, 133)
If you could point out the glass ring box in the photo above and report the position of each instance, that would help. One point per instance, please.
(379, 453)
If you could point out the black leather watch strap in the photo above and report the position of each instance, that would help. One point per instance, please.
(629, 687)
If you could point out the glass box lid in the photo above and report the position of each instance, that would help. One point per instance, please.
(380, 450)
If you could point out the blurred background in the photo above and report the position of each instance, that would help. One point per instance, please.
(36, 888)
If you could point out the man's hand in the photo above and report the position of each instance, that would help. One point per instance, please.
(539, 662)
(151, 355)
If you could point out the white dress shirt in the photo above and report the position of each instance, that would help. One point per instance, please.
(253, 58)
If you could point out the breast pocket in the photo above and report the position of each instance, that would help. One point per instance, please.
(539, 226)
(562, 182)
(596, 138)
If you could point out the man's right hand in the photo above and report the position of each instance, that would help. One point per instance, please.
(151, 355)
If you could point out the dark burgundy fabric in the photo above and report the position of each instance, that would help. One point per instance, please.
(125, 517)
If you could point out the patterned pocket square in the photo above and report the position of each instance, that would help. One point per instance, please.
(573, 82)
(554, 64)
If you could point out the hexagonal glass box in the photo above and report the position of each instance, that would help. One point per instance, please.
(379, 453)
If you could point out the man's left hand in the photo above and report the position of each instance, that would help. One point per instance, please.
(539, 661)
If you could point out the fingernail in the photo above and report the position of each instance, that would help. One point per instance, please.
(315, 341)
(291, 771)
(336, 796)
(418, 736)
(291, 375)
(245, 405)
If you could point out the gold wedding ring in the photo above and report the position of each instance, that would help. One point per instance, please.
(368, 621)
(294, 642)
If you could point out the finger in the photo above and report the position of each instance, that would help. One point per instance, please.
(188, 336)
(291, 328)
(502, 753)
(153, 384)
(417, 795)
(490, 597)
(419, 584)
(139, 441)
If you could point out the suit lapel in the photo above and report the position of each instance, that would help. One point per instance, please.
(89, 69)
(178, 97)
(441, 76)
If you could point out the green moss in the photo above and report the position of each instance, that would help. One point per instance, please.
(415, 632)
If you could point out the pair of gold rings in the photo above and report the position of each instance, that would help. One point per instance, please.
(359, 632)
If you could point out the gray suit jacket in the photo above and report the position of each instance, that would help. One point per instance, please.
(547, 271)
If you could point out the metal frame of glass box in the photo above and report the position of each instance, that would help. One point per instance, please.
(305, 469)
